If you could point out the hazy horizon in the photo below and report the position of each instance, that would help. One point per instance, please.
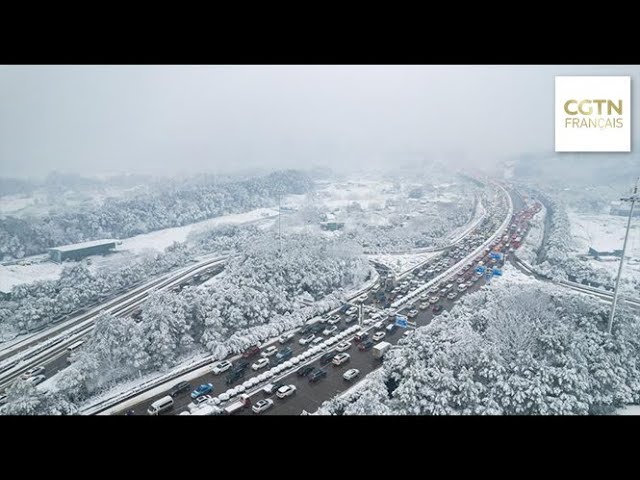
(165, 120)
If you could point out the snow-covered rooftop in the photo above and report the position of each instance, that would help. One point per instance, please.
(78, 246)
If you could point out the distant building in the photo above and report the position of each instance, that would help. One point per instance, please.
(618, 208)
(81, 250)
(332, 226)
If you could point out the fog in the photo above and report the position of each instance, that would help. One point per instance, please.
(187, 119)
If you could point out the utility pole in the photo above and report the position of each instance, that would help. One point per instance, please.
(279, 223)
(633, 199)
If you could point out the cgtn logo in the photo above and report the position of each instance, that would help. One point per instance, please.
(593, 114)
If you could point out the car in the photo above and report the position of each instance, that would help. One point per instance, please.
(424, 305)
(270, 350)
(412, 313)
(434, 299)
(200, 400)
(203, 389)
(360, 336)
(366, 345)
(33, 371)
(436, 309)
(317, 374)
(306, 370)
(434, 289)
(272, 388)
(326, 358)
(36, 379)
(317, 328)
(351, 318)
(179, 388)
(252, 351)
(340, 358)
(424, 296)
(351, 311)
(391, 328)
(285, 337)
(234, 375)
(452, 295)
(262, 405)
(221, 367)
(343, 346)
(378, 336)
(379, 325)
(316, 341)
(260, 364)
(306, 339)
(283, 355)
(334, 321)
(329, 330)
(286, 391)
(462, 287)
(351, 374)
(363, 298)
(469, 284)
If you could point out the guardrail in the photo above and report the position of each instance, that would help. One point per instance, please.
(455, 268)
(185, 370)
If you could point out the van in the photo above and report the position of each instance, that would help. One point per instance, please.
(159, 406)
(360, 336)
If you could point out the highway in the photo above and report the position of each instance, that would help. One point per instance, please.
(50, 347)
(309, 396)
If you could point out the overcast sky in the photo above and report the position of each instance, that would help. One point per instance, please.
(187, 119)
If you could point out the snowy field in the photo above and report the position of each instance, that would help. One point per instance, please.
(12, 204)
(606, 233)
(161, 239)
(11, 275)
(367, 193)
(603, 233)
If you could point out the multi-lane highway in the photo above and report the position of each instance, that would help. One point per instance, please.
(50, 348)
(309, 395)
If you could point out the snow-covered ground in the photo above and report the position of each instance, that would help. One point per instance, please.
(161, 239)
(629, 410)
(367, 193)
(11, 275)
(11, 204)
(603, 233)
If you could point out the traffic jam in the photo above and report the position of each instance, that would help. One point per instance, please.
(342, 346)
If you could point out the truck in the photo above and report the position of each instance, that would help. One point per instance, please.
(243, 401)
(379, 349)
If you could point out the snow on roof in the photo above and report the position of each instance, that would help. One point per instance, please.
(79, 246)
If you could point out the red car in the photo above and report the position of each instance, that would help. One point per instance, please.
(252, 351)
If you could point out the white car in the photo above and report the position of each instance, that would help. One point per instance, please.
(434, 289)
(379, 325)
(351, 311)
(223, 366)
(340, 358)
(200, 400)
(260, 364)
(36, 379)
(262, 405)
(33, 371)
(424, 305)
(286, 391)
(462, 287)
(306, 339)
(412, 313)
(351, 374)
(343, 346)
(333, 321)
(378, 336)
(434, 299)
(329, 330)
(424, 297)
(452, 295)
(285, 337)
(270, 350)
(317, 340)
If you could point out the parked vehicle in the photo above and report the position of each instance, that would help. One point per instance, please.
(262, 405)
(221, 367)
(342, 346)
(179, 388)
(326, 358)
(329, 331)
(366, 345)
(161, 405)
(380, 349)
(351, 374)
(360, 336)
(378, 336)
(306, 370)
(203, 389)
(234, 376)
(317, 374)
(286, 391)
(260, 364)
(244, 401)
(283, 355)
(306, 339)
(340, 358)
(252, 351)
(270, 350)
(285, 337)
(436, 309)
